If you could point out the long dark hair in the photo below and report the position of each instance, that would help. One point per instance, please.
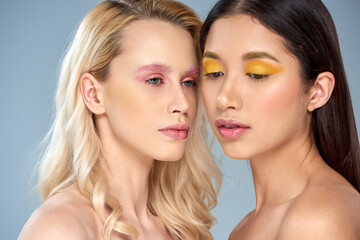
(309, 34)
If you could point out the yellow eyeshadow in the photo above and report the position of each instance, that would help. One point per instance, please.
(211, 66)
(261, 67)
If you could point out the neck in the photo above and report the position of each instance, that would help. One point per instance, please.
(127, 173)
(283, 174)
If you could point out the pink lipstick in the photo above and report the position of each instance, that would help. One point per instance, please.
(176, 131)
(231, 128)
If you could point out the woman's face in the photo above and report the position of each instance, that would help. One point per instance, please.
(252, 89)
(151, 99)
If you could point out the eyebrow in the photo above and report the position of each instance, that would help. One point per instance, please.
(193, 70)
(254, 55)
(246, 57)
(154, 67)
(209, 54)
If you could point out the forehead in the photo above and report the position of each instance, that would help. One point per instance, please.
(240, 34)
(154, 43)
(154, 35)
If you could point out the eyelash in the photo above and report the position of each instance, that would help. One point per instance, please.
(160, 81)
(258, 77)
(154, 78)
(214, 75)
(193, 83)
(254, 76)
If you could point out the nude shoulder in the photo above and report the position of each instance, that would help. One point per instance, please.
(62, 216)
(239, 227)
(323, 211)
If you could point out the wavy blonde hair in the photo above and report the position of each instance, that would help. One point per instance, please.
(182, 193)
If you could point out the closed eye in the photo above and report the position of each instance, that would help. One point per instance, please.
(214, 74)
(257, 76)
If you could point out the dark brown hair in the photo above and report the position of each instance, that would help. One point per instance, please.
(309, 34)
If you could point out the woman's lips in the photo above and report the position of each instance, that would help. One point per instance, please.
(231, 128)
(176, 131)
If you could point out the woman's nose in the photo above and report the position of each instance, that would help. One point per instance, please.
(229, 96)
(179, 103)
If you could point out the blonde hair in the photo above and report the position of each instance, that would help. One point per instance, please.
(182, 193)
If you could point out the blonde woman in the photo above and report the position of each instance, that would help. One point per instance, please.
(128, 157)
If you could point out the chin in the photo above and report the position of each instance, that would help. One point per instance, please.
(235, 153)
(170, 154)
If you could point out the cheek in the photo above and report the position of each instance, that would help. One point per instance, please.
(125, 105)
(191, 97)
(209, 94)
(281, 104)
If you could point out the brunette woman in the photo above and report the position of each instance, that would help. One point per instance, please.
(276, 93)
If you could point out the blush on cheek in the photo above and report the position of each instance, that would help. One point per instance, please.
(281, 106)
(272, 115)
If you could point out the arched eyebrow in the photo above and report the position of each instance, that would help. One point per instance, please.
(193, 70)
(253, 55)
(246, 57)
(154, 67)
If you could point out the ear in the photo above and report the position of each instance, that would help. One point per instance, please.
(321, 91)
(91, 91)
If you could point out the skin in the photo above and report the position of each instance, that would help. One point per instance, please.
(250, 77)
(151, 85)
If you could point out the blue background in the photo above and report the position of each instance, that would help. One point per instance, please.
(34, 36)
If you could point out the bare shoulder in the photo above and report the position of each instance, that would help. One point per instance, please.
(326, 210)
(236, 232)
(63, 216)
